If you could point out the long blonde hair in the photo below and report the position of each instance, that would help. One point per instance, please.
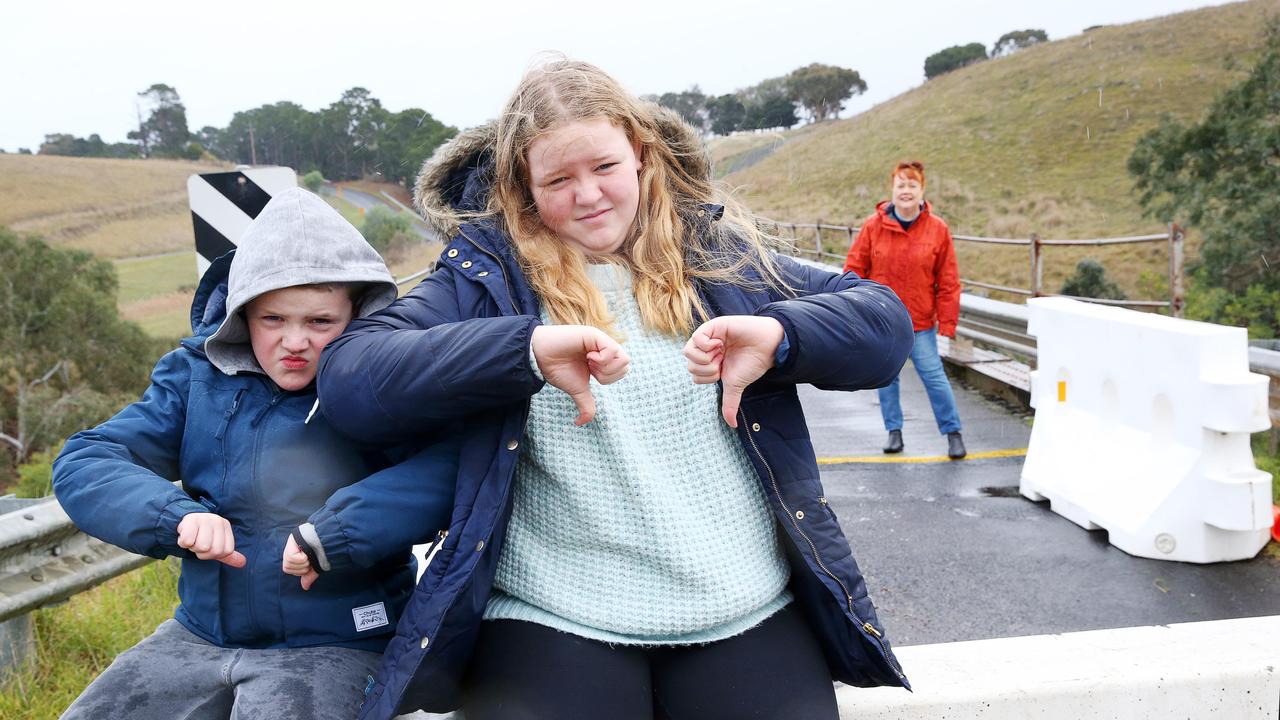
(663, 251)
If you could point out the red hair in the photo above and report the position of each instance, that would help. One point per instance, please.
(912, 169)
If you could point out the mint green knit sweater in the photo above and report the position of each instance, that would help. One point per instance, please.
(648, 525)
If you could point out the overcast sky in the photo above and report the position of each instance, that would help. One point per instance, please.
(77, 67)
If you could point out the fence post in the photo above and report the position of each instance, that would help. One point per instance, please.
(849, 231)
(17, 645)
(817, 237)
(1177, 295)
(1037, 265)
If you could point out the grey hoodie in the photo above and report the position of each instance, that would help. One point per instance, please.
(297, 239)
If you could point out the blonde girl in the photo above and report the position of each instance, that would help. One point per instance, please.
(639, 528)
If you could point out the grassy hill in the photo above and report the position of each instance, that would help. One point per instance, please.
(112, 208)
(136, 214)
(133, 212)
(1033, 142)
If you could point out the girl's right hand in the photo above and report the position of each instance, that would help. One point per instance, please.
(568, 356)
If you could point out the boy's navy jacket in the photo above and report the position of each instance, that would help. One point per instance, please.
(241, 449)
(458, 345)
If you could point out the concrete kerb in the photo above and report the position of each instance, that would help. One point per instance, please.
(1222, 668)
(1217, 669)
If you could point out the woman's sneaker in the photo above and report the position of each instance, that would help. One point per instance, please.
(955, 446)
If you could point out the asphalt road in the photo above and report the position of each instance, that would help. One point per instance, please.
(952, 552)
(367, 200)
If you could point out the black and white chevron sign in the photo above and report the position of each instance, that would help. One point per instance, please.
(223, 204)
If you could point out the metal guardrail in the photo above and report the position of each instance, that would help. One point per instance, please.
(45, 559)
(410, 278)
(1002, 326)
(1175, 237)
(1007, 322)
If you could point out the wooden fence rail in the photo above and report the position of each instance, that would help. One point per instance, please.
(1174, 238)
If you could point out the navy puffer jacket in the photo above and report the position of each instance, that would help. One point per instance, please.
(457, 346)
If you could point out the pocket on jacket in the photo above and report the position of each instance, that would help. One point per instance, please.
(342, 605)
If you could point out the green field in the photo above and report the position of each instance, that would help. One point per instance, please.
(156, 292)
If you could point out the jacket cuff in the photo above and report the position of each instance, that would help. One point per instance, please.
(309, 543)
(782, 368)
(784, 350)
(533, 360)
(167, 524)
(328, 539)
(534, 324)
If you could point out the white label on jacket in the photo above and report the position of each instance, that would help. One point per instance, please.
(370, 617)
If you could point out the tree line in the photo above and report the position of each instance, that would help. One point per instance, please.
(818, 90)
(958, 56)
(352, 138)
(357, 137)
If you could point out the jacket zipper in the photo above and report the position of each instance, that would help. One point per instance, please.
(226, 416)
(773, 480)
(434, 548)
(276, 397)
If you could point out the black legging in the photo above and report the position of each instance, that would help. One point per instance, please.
(525, 671)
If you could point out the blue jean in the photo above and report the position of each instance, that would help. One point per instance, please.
(924, 355)
(175, 674)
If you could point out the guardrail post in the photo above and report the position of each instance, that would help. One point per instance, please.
(817, 237)
(17, 645)
(1037, 265)
(849, 231)
(1177, 294)
(17, 634)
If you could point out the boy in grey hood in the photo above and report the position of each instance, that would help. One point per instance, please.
(267, 487)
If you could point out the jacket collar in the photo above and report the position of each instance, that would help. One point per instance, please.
(884, 211)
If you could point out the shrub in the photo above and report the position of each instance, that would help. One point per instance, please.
(1257, 308)
(1090, 281)
(313, 180)
(35, 477)
(385, 228)
(953, 58)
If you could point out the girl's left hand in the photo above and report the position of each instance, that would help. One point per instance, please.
(735, 350)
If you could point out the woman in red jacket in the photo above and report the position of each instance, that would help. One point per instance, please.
(905, 246)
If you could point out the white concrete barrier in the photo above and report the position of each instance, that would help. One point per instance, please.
(1227, 669)
(1142, 428)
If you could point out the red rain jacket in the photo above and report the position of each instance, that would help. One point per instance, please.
(918, 264)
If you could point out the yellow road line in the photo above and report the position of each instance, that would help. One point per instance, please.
(1015, 452)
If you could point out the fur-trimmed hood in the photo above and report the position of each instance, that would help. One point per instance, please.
(455, 180)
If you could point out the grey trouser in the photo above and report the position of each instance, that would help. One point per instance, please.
(175, 675)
